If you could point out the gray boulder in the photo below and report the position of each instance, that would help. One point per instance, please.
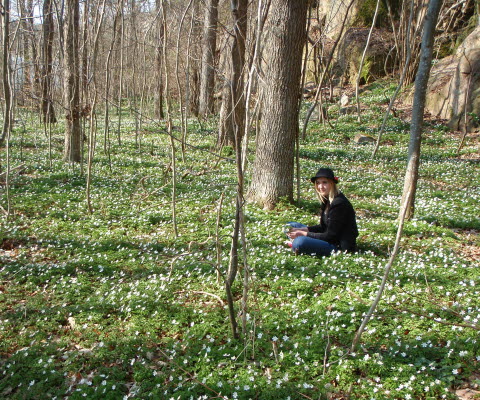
(360, 138)
(453, 91)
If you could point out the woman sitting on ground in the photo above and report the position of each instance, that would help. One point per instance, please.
(337, 230)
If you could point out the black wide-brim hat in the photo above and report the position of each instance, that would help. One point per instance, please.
(324, 173)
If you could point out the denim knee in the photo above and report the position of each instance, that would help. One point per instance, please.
(299, 243)
(308, 245)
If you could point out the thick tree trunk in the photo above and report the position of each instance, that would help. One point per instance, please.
(416, 127)
(232, 115)
(72, 149)
(207, 77)
(48, 111)
(273, 168)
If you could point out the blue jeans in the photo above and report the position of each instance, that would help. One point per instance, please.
(308, 245)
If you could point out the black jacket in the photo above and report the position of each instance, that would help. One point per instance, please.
(337, 224)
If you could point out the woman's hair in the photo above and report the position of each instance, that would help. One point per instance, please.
(333, 192)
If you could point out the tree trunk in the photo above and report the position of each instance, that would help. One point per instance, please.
(207, 77)
(72, 149)
(421, 80)
(120, 45)
(232, 115)
(48, 111)
(193, 65)
(158, 102)
(414, 151)
(168, 116)
(7, 92)
(274, 158)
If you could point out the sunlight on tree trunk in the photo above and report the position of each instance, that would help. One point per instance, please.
(273, 168)
(232, 115)
(325, 70)
(47, 64)
(414, 151)
(416, 127)
(360, 67)
(7, 91)
(182, 108)
(73, 134)
(399, 87)
(169, 124)
(207, 77)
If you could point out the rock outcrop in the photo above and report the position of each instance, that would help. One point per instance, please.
(453, 91)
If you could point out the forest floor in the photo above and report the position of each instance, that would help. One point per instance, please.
(112, 304)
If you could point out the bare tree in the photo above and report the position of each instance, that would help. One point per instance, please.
(72, 149)
(120, 44)
(232, 114)
(207, 76)
(411, 174)
(400, 85)
(326, 68)
(98, 23)
(158, 102)
(237, 111)
(7, 90)
(360, 67)
(273, 168)
(416, 127)
(48, 27)
(192, 67)
(30, 65)
(169, 123)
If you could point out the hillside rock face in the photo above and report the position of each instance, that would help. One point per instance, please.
(454, 86)
(350, 51)
(334, 12)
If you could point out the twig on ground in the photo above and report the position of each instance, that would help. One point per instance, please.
(205, 293)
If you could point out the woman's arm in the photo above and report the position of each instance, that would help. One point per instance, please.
(335, 224)
(296, 232)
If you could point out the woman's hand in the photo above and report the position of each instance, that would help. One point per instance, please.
(296, 232)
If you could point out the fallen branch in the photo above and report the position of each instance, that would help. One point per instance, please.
(18, 169)
(205, 293)
(438, 319)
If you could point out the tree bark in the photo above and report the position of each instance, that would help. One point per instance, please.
(232, 115)
(30, 65)
(273, 168)
(158, 97)
(7, 91)
(72, 149)
(48, 110)
(120, 45)
(207, 76)
(169, 123)
(416, 127)
(192, 83)
(411, 174)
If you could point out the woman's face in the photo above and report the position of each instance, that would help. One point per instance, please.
(323, 186)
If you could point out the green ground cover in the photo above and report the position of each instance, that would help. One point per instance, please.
(112, 305)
